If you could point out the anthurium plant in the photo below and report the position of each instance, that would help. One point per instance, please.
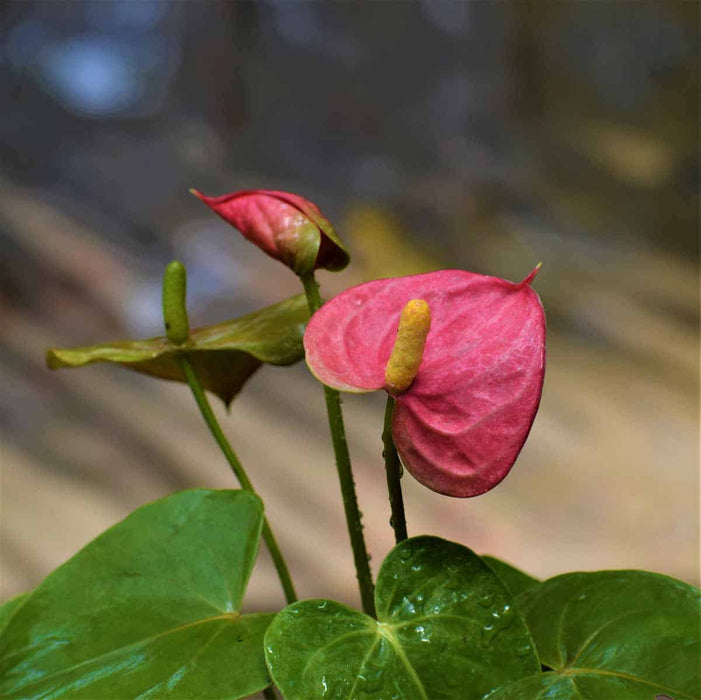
(152, 608)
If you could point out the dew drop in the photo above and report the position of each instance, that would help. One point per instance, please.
(406, 608)
(501, 617)
(424, 632)
(485, 600)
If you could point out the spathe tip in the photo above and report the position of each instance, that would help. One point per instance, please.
(527, 281)
(195, 192)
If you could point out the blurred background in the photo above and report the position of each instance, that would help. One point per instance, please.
(487, 136)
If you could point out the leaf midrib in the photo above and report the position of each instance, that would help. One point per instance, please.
(387, 633)
(120, 650)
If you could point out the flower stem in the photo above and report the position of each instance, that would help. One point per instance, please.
(214, 427)
(345, 473)
(394, 475)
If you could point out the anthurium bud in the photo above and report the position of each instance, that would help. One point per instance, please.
(408, 350)
(286, 226)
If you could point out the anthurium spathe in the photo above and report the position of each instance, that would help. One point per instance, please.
(462, 422)
(286, 226)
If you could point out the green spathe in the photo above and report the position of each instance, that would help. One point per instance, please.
(224, 356)
(149, 609)
(446, 628)
(612, 634)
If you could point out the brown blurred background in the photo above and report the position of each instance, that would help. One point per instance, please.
(482, 135)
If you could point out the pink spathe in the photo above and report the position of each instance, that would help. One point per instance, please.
(287, 227)
(460, 426)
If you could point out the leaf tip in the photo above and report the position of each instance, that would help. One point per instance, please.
(527, 281)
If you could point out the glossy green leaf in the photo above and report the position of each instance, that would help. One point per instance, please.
(446, 628)
(613, 634)
(515, 580)
(224, 355)
(149, 609)
(8, 608)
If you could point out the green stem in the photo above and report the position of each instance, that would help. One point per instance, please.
(394, 474)
(345, 474)
(214, 427)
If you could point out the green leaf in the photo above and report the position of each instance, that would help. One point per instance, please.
(446, 628)
(9, 607)
(515, 580)
(613, 634)
(149, 609)
(224, 355)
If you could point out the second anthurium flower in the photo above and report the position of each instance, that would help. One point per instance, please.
(463, 413)
(286, 226)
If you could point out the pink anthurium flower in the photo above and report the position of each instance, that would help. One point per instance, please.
(286, 226)
(461, 423)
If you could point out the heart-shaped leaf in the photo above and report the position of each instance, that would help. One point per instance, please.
(613, 634)
(149, 609)
(515, 580)
(446, 628)
(224, 355)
